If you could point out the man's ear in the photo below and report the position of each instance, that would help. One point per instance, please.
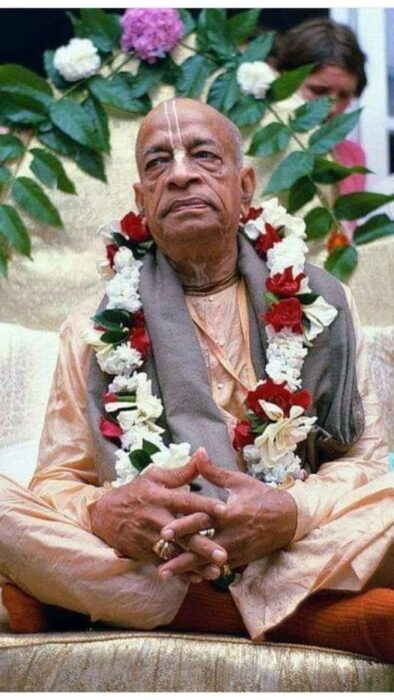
(248, 186)
(139, 196)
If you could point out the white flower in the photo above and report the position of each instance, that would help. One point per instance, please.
(124, 258)
(290, 252)
(275, 474)
(320, 314)
(255, 78)
(124, 469)
(285, 355)
(124, 384)
(122, 292)
(173, 457)
(105, 231)
(121, 359)
(283, 434)
(133, 438)
(79, 59)
(146, 406)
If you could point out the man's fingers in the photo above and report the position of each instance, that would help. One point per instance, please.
(187, 562)
(214, 474)
(188, 525)
(189, 503)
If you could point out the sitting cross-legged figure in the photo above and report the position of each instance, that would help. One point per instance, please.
(212, 459)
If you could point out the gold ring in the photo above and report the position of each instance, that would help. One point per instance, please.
(210, 532)
(162, 548)
(226, 571)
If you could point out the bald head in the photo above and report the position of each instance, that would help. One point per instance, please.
(170, 113)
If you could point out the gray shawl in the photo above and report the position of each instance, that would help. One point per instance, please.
(180, 378)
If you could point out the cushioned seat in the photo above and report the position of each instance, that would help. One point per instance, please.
(174, 662)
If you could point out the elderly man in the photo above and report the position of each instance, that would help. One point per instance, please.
(151, 551)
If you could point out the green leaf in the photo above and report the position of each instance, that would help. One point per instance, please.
(212, 36)
(318, 222)
(376, 227)
(300, 194)
(99, 119)
(3, 260)
(310, 114)
(148, 77)
(342, 261)
(273, 138)
(5, 175)
(113, 319)
(289, 82)
(139, 459)
(72, 119)
(31, 197)
(11, 148)
(149, 447)
(49, 170)
(101, 27)
(114, 337)
(242, 25)
(52, 73)
(294, 166)
(247, 111)
(258, 49)
(359, 204)
(224, 92)
(14, 230)
(117, 93)
(327, 171)
(23, 82)
(308, 298)
(194, 72)
(271, 298)
(20, 109)
(332, 132)
(187, 20)
(88, 160)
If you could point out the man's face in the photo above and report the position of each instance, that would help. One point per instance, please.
(191, 187)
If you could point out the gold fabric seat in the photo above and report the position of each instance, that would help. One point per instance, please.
(175, 662)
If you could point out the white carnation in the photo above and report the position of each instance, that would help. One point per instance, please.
(173, 457)
(123, 384)
(78, 60)
(124, 469)
(133, 438)
(124, 258)
(290, 252)
(122, 292)
(285, 355)
(255, 78)
(121, 359)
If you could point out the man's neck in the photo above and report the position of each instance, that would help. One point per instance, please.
(205, 276)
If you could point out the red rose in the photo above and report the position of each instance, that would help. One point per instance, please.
(285, 313)
(139, 319)
(266, 240)
(271, 392)
(252, 215)
(139, 340)
(109, 429)
(301, 398)
(109, 398)
(134, 228)
(112, 249)
(242, 435)
(284, 284)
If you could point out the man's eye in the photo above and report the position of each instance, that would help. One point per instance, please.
(205, 155)
(159, 160)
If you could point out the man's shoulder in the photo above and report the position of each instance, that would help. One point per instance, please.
(324, 283)
(77, 321)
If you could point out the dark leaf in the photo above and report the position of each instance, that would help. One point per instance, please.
(187, 20)
(114, 337)
(14, 230)
(318, 222)
(288, 83)
(72, 119)
(149, 447)
(194, 72)
(342, 261)
(50, 171)
(117, 93)
(52, 73)
(224, 92)
(139, 459)
(89, 161)
(310, 114)
(99, 119)
(5, 175)
(359, 204)
(148, 77)
(376, 227)
(242, 25)
(31, 197)
(23, 82)
(273, 138)
(332, 132)
(294, 166)
(102, 28)
(327, 171)
(11, 148)
(247, 111)
(300, 194)
(212, 35)
(3, 260)
(258, 49)
(20, 109)
(306, 299)
(113, 317)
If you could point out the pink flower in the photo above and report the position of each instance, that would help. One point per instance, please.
(151, 33)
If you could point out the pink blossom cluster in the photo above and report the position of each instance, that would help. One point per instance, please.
(151, 33)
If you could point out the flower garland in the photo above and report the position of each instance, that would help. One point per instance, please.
(275, 421)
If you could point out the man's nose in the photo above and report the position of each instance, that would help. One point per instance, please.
(181, 172)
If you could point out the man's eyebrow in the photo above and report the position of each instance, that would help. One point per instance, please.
(155, 149)
(202, 142)
(159, 148)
